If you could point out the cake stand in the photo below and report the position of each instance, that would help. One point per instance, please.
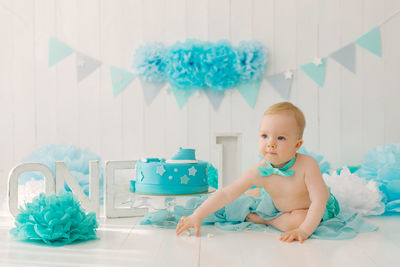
(169, 203)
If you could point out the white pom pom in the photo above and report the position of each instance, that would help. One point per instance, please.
(355, 194)
(29, 190)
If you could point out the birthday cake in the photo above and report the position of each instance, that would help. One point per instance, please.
(180, 175)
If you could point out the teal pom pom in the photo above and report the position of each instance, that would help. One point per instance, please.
(55, 220)
(324, 166)
(212, 176)
(382, 164)
(150, 63)
(251, 61)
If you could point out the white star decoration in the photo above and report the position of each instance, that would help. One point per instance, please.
(192, 171)
(184, 179)
(288, 75)
(317, 61)
(160, 170)
(170, 177)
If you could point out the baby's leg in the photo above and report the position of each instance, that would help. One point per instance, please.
(285, 222)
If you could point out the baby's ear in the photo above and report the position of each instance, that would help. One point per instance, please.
(299, 144)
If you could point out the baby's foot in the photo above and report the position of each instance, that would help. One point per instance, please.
(255, 218)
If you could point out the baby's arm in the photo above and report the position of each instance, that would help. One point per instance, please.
(319, 195)
(217, 201)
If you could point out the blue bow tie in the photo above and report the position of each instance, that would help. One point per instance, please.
(268, 171)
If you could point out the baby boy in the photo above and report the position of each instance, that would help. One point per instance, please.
(292, 180)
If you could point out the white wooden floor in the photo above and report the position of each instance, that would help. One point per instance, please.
(122, 242)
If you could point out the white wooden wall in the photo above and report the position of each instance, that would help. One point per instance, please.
(39, 105)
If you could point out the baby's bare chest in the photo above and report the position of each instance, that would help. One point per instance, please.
(288, 193)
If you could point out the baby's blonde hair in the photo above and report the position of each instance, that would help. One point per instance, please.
(283, 107)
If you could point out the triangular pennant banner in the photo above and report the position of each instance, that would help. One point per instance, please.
(151, 90)
(316, 73)
(280, 83)
(214, 97)
(371, 41)
(58, 51)
(182, 95)
(249, 91)
(85, 65)
(120, 79)
(346, 57)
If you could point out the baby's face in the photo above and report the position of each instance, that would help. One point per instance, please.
(279, 139)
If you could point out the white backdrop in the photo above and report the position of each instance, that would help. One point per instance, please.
(351, 114)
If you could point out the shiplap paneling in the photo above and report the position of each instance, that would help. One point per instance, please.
(198, 107)
(351, 114)
(154, 115)
(88, 41)
(132, 100)
(329, 96)
(390, 46)
(352, 91)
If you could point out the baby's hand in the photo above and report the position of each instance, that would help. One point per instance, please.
(292, 235)
(189, 222)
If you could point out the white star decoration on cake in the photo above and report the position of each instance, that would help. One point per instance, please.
(288, 75)
(192, 171)
(184, 179)
(160, 170)
(317, 61)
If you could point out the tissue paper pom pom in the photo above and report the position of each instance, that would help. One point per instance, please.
(212, 176)
(55, 220)
(354, 193)
(149, 62)
(76, 159)
(324, 166)
(221, 70)
(185, 65)
(382, 164)
(28, 191)
(251, 61)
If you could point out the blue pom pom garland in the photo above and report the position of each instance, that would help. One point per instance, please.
(194, 64)
(149, 62)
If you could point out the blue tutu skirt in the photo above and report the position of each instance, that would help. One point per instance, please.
(335, 224)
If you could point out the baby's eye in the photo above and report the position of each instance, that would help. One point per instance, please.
(281, 138)
(264, 136)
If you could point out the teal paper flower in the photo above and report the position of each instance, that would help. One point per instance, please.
(55, 220)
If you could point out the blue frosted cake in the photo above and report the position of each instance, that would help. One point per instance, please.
(180, 175)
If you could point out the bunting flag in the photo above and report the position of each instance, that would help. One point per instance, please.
(346, 57)
(151, 90)
(182, 96)
(280, 83)
(371, 41)
(120, 79)
(249, 91)
(85, 65)
(315, 71)
(214, 98)
(58, 51)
